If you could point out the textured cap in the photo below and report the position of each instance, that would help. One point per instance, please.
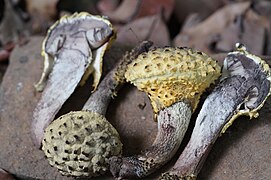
(80, 143)
(170, 74)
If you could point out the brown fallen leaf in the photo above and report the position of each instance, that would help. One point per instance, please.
(4, 55)
(125, 12)
(151, 28)
(204, 8)
(219, 32)
(106, 6)
(42, 12)
(5, 176)
(264, 8)
(152, 7)
(13, 26)
(133, 9)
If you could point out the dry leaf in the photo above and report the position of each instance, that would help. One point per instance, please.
(204, 8)
(13, 26)
(150, 28)
(106, 6)
(4, 54)
(125, 12)
(133, 9)
(231, 24)
(42, 12)
(152, 7)
(264, 8)
(5, 176)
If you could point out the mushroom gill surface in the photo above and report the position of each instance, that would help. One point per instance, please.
(72, 50)
(80, 143)
(243, 90)
(174, 79)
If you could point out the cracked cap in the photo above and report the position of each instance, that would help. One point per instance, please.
(169, 75)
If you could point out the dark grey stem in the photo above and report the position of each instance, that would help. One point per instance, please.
(172, 125)
(109, 86)
(246, 84)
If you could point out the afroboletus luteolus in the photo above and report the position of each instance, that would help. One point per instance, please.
(79, 143)
(72, 50)
(174, 79)
(242, 90)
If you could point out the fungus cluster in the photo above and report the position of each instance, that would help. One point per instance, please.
(84, 143)
(174, 79)
(80, 143)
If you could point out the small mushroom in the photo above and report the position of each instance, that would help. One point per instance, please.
(243, 90)
(73, 49)
(80, 143)
(174, 79)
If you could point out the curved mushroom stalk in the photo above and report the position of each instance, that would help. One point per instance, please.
(73, 49)
(168, 75)
(243, 89)
(172, 125)
(80, 143)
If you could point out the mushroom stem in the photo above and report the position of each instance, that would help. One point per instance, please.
(208, 126)
(243, 89)
(172, 125)
(99, 100)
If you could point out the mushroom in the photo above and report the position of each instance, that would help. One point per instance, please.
(80, 143)
(243, 90)
(174, 79)
(73, 49)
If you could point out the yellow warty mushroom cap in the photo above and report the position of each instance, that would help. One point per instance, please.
(169, 75)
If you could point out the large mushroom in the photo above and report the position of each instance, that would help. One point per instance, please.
(174, 79)
(80, 143)
(243, 90)
(73, 49)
